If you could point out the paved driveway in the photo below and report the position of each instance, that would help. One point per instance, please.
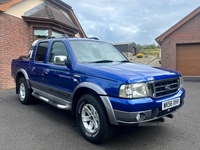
(43, 127)
(155, 63)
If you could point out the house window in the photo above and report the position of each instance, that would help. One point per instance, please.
(44, 33)
(56, 34)
(41, 33)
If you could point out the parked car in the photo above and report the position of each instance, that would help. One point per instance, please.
(97, 84)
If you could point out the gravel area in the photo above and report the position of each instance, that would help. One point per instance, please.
(144, 60)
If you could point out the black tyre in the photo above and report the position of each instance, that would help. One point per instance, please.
(92, 119)
(24, 93)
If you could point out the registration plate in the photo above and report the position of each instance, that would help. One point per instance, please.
(170, 103)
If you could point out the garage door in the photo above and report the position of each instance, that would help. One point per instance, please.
(188, 59)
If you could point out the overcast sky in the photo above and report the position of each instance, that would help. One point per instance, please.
(139, 21)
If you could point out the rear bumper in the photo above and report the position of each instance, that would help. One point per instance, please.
(125, 111)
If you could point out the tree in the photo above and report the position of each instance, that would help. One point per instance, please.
(148, 46)
(139, 46)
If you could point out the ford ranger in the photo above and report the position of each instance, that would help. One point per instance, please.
(97, 83)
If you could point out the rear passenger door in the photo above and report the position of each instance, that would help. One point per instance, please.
(36, 66)
(58, 77)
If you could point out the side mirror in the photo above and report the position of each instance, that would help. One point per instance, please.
(60, 60)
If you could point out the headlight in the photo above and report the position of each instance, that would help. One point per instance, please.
(133, 90)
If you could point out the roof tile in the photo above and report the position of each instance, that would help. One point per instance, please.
(49, 12)
(6, 4)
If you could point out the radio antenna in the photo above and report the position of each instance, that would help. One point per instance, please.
(65, 34)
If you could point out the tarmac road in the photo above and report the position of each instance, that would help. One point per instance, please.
(42, 127)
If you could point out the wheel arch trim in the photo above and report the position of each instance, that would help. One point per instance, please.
(104, 98)
(91, 86)
(26, 77)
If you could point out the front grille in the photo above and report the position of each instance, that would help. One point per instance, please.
(163, 88)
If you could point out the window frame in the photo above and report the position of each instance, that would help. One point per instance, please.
(49, 54)
(45, 54)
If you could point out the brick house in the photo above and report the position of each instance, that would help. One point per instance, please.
(23, 21)
(180, 45)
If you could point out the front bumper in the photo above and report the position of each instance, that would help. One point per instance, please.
(125, 110)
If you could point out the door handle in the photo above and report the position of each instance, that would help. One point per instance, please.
(33, 68)
(46, 71)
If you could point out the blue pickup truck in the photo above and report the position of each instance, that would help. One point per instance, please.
(97, 84)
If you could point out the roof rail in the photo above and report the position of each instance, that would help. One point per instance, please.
(95, 38)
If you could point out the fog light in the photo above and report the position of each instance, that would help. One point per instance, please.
(140, 117)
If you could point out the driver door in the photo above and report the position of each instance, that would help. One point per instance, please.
(58, 77)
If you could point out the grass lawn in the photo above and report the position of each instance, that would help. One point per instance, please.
(154, 52)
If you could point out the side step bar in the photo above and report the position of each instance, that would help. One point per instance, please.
(60, 106)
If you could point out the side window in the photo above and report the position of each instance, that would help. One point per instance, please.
(58, 52)
(41, 51)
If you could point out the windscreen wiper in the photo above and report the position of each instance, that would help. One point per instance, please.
(124, 61)
(103, 61)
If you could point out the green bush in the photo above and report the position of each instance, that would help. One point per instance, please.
(139, 55)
